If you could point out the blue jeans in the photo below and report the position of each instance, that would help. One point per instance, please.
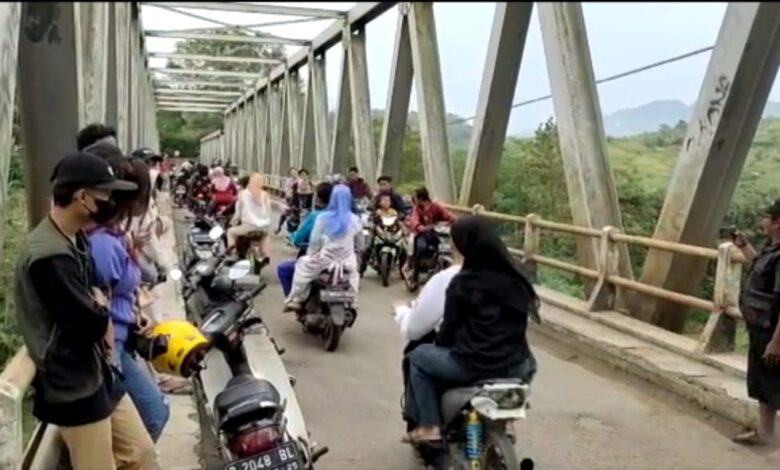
(430, 365)
(144, 392)
(285, 271)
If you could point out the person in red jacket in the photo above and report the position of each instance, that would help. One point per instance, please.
(425, 215)
(223, 190)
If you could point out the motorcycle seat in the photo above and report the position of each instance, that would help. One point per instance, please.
(245, 398)
(454, 399)
(254, 235)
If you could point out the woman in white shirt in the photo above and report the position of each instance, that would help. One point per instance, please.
(253, 213)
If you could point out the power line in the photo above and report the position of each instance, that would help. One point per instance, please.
(607, 79)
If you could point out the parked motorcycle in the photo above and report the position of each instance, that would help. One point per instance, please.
(436, 259)
(388, 248)
(246, 416)
(204, 238)
(330, 309)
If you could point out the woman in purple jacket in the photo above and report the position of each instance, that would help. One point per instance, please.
(120, 276)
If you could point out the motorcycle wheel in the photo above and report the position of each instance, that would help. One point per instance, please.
(385, 264)
(331, 334)
(499, 451)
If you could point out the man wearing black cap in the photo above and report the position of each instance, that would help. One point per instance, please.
(760, 306)
(65, 325)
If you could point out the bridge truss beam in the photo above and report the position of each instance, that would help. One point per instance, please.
(736, 86)
(589, 177)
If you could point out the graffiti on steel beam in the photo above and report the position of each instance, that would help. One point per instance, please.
(41, 22)
(721, 90)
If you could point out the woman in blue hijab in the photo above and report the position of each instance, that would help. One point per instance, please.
(336, 236)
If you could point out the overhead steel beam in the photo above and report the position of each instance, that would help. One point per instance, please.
(210, 73)
(158, 82)
(254, 8)
(213, 58)
(246, 26)
(226, 37)
(226, 100)
(191, 110)
(195, 92)
(358, 16)
(189, 104)
(228, 26)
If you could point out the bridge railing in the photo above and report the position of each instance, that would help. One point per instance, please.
(722, 307)
(725, 299)
(43, 448)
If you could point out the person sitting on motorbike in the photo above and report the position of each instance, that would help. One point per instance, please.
(305, 190)
(286, 269)
(425, 215)
(336, 236)
(385, 186)
(290, 197)
(483, 330)
(200, 184)
(384, 209)
(223, 190)
(253, 214)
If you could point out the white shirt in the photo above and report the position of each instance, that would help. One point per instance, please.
(427, 311)
(252, 213)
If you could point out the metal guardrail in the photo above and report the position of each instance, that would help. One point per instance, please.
(724, 301)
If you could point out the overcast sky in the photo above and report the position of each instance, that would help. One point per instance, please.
(622, 36)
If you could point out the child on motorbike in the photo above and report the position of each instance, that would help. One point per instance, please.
(385, 208)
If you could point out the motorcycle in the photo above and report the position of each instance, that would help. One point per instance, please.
(244, 415)
(436, 259)
(329, 309)
(388, 248)
(476, 418)
(204, 238)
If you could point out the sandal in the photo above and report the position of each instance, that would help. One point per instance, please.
(415, 438)
(750, 438)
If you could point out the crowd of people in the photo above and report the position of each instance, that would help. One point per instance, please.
(83, 275)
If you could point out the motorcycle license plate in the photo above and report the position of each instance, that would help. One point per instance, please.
(336, 296)
(181, 191)
(281, 458)
(387, 249)
(445, 247)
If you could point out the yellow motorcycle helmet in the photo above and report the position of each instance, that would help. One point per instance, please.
(185, 344)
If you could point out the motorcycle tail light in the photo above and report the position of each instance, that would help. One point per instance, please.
(254, 441)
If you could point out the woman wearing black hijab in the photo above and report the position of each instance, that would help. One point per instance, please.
(482, 335)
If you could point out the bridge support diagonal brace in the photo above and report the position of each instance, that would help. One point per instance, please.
(307, 157)
(362, 122)
(49, 95)
(502, 66)
(259, 132)
(739, 77)
(93, 31)
(399, 93)
(10, 16)
(339, 156)
(319, 92)
(430, 102)
(589, 178)
(293, 121)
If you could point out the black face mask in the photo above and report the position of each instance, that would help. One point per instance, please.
(106, 210)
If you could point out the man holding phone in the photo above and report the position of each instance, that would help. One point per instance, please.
(760, 306)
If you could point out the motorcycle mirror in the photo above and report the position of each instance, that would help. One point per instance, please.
(216, 232)
(239, 270)
(175, 274)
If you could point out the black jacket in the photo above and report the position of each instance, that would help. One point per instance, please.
(484, 323)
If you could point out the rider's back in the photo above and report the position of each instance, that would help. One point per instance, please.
(485, 321)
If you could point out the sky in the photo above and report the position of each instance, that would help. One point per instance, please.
(622, 36)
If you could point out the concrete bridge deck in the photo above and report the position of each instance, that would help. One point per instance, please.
(584, 415)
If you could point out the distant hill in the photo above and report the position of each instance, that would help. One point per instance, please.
(649, 117)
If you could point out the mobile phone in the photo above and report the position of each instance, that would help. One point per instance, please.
(727, 233)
